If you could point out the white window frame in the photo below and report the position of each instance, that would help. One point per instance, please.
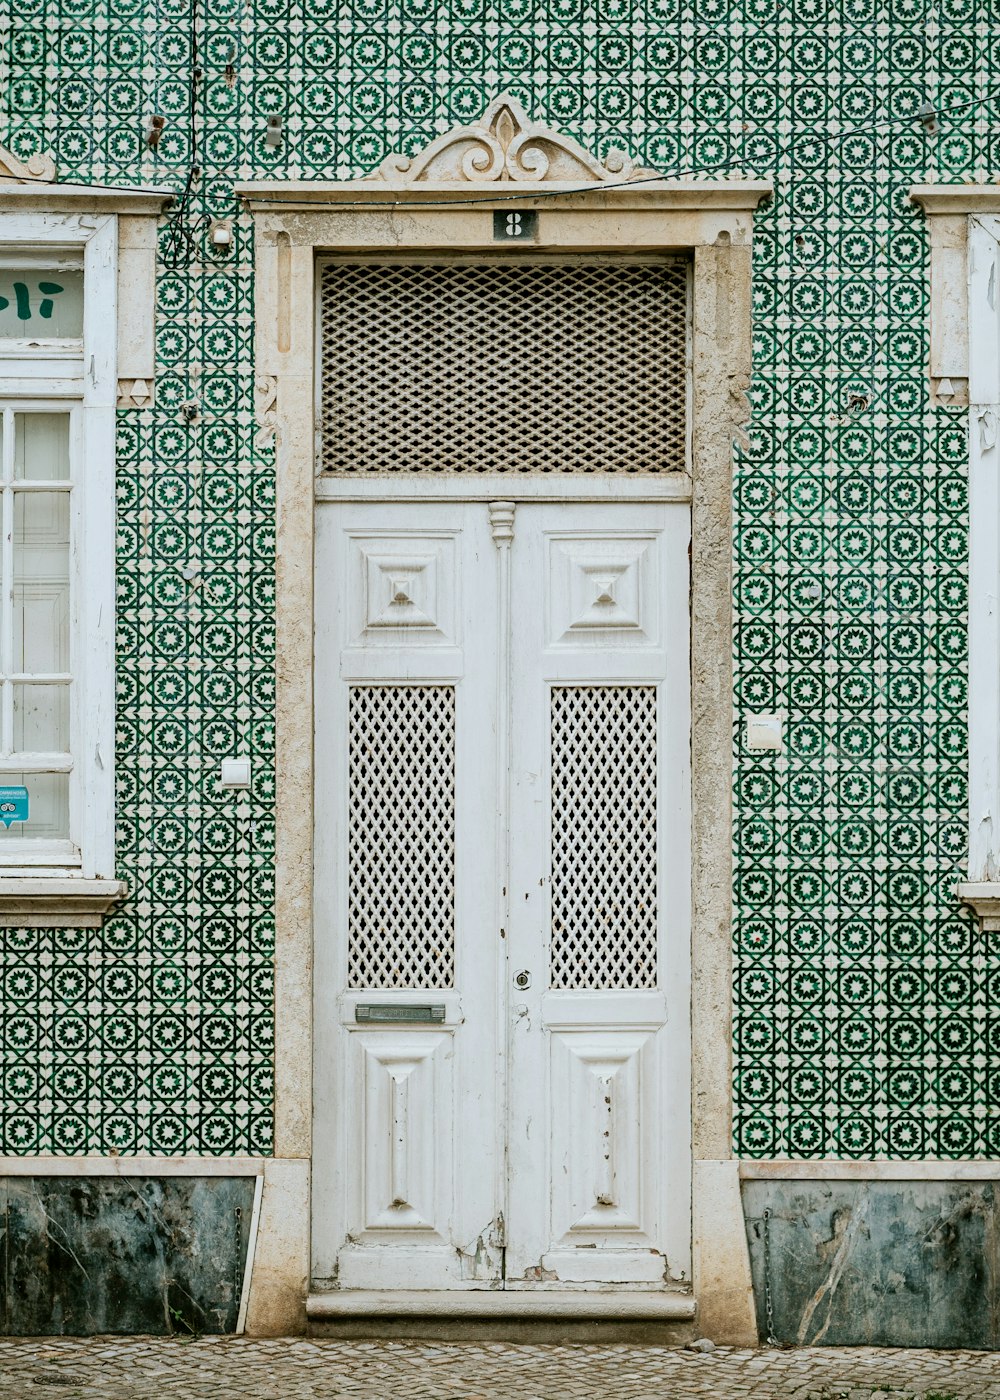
(32, 851)
(964, 227)
(80, 377)
(984, 547)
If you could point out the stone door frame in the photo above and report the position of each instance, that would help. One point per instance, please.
(443, 201)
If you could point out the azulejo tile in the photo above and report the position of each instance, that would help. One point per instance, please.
(861, 993)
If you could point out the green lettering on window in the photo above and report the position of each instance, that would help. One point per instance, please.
(23, 301)
(49, 290)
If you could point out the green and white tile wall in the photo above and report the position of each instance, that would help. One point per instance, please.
(868, 1010)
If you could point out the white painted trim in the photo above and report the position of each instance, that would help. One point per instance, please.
(984, 549)
(92, 571)
(258, 1193)
(619, 1303)
(671, 486)
(94, 663)
(39, 379)
(928, 1169)
(646, 1011)
(133, 1166)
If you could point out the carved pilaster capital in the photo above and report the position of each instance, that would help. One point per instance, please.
(502, 522)
(983, 897)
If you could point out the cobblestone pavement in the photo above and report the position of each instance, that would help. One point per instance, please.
(220, 1368)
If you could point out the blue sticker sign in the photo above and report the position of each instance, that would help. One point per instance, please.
(13, 805)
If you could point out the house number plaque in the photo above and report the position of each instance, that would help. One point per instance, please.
(514, 225)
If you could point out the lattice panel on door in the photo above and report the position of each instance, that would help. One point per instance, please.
(504, 367)
(603, 761)
(401, 836)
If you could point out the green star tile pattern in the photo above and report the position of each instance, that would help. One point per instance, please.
(866, 1005)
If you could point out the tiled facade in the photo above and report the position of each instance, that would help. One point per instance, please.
(863, 994)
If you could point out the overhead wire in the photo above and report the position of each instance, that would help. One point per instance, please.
(180, 240)
(691, 172)
(262, 201)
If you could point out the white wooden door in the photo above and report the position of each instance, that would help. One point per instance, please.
(598, 1133)
(407, 1189)
(502, 864)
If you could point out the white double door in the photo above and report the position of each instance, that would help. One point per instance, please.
(501, 895)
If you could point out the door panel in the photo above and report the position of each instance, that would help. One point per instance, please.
(406, 1182)
(597, 1154)
(598, 1133)
(501, 848)
(405, 1086)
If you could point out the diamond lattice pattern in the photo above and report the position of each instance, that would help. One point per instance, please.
(603, 837)
(466, 367)
(401, 895)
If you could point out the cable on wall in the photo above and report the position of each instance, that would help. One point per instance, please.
(922, 116)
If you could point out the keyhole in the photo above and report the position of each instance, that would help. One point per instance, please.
(522, 979)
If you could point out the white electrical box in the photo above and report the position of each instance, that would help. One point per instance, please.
(235, 773)
(764, 732)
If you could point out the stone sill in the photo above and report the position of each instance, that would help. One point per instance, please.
(983, 896)
(662, 1305)
(64, 901)
(56, 197)
(957, 199)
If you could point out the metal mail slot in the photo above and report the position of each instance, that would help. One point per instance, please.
(395, 1012)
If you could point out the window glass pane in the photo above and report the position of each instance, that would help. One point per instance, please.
(41, 582)
(41, 446)
(48, 806)
(36, 303)
(41, 718)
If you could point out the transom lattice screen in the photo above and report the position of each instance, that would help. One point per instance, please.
(504, 367)
(604, 836)
(401, 836)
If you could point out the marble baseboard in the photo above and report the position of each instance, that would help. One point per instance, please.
(89, 1255)
(876, 1263)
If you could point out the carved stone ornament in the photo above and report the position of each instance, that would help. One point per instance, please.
(504, 144)
(265, 396)
(983, 897)
(37, 167)
(135, 393)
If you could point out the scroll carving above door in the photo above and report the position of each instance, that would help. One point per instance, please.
(504, 144)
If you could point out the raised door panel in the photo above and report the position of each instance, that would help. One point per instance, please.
(404, 1095)
(400, 1200)
(603, 1093)
(404, 603)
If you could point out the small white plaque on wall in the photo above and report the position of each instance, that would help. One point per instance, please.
(234, 773)
(764, 732)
